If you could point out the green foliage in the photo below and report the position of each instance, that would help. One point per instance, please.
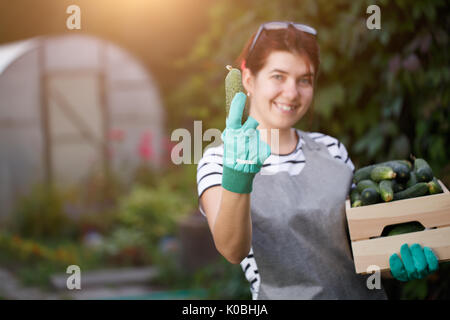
(125, 247)
(50, 212)
(38, 275)
(35, 261)
(40, 214)
(415, 290)
(152, 212)
(179, 179)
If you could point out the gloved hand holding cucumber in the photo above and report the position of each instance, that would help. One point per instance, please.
(244, 151)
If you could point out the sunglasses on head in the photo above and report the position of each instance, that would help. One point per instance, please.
(278, 25)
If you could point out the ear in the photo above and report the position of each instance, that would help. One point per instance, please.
(248, 80)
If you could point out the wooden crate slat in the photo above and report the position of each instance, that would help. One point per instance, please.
(369, 221)
(377, 251)
(444, 188)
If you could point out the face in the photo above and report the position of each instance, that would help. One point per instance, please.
(282, 91)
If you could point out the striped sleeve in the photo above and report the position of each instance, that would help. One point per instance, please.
(251, 273)
(336, 149)
(210, 169)
(345, 156)
(348, 161)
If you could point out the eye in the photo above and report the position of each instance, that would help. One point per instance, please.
(305, 81)
(277, 77)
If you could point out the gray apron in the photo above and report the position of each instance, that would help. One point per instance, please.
(299, 234)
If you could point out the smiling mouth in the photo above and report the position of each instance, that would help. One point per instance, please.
(285, 107)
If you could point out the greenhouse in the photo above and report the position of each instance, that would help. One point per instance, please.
(71, 105)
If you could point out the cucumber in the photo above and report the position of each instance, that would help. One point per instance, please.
(355, 198)
(400, 167)
(357, 203)
(386, 192)
(233, 85)
(370, 196)
(401, 170)
(362, 173)
(417, 190)
(404, 228)
(397, 186)
(406, 162)
(423, 170)
(382, 173)
(434, 187)
(412, 179)
(397, 162)
(366, 183)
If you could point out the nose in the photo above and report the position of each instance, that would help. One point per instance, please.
(291, 91)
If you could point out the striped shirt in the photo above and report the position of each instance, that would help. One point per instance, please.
(209, 174)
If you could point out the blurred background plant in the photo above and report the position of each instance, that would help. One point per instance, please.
(40, 214)
(54, 227)
(151, 212)
(145, 215)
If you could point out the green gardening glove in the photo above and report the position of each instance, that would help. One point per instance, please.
(244, 153)
(417, 263)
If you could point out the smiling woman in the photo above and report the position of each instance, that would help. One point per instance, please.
(290, 235)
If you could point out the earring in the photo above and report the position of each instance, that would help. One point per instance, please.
(248, 94)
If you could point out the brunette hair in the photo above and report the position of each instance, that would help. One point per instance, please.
(290, 40)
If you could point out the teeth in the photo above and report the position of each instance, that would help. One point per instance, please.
(285, 107)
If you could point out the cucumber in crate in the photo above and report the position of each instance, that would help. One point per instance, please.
(394, 204)
(394, 180)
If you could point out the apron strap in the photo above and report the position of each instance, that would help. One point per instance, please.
(310, 143)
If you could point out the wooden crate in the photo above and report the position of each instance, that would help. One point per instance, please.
(366, 225)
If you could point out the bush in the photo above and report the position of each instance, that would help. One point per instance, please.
(125, 246)
(40, 214)
(152, 211)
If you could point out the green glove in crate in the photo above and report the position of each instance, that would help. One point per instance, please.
(244, 151)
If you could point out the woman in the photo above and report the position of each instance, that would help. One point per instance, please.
(290, 235)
